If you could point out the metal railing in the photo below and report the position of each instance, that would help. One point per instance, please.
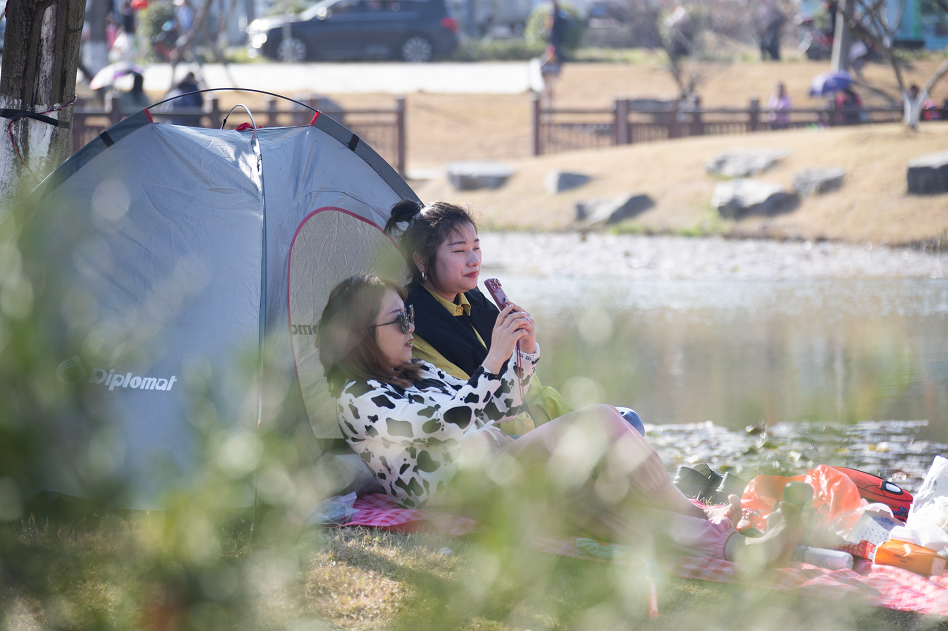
(628, 122)
(382, 128)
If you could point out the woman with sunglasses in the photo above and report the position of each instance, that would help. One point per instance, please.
(454, 319)
(416, 427)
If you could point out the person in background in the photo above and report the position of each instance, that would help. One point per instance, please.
(186, 102)
(557, 26)
(928, 106)
(780, 106)
(770, 21)
(184, 16)
(135, 99)
(128, 19)
(832, 8)
(848, 107)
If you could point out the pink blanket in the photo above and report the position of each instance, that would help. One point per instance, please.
(877, 585)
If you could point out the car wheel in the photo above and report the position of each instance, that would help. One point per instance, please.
(291, 51)
(417, 48)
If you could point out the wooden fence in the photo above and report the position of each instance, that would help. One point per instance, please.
(628, 122)
(383, 129)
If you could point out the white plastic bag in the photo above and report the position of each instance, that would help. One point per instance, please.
(928, 517)
(333, 511)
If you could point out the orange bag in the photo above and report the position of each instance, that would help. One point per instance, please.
(835, 497)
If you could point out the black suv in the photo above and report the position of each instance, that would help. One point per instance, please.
(411, 30)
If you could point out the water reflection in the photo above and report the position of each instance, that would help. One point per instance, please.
(738, 352)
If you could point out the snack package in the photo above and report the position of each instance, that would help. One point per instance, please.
(909, 556)
(872, 528)
(863, 549)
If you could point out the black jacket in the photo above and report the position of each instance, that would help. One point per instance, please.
(453, 336)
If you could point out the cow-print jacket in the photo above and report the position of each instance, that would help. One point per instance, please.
(410, 437)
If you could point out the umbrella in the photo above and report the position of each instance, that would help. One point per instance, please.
(829, 82)
(110, 73)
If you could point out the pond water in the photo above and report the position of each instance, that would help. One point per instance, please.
(742, 352)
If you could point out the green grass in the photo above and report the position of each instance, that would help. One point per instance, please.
(103, 573)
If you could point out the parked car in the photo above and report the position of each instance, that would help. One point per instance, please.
(494, 16)
(410, 30)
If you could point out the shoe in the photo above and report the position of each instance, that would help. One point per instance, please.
(714, 478)
(730, 485)
(698, 481)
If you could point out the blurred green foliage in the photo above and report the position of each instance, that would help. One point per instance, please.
(152, 18)
(496, 50)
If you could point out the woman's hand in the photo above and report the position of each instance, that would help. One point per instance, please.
(528, 343)
(511, 327)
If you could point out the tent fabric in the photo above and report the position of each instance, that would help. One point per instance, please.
(329, 243)
(175, 242)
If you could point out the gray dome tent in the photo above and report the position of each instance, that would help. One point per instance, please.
(183, 250)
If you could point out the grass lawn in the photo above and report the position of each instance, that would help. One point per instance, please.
(118, 572)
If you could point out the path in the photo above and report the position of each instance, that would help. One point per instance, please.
(341, 78)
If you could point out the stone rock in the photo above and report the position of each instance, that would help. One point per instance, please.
(469, 176)
(928, 174)
(739, 198)
(817, 181)
(612, 210)
(744, 162)
(559, 181)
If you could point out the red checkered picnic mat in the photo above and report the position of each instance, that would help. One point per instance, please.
(381, 511)
(878, 585)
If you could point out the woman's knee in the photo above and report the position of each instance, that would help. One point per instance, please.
(605, 414)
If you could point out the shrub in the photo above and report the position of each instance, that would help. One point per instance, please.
(497, 50)
(153, 18)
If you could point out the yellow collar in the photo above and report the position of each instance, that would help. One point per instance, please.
(454, 309)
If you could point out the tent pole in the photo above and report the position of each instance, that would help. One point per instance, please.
(262, 318)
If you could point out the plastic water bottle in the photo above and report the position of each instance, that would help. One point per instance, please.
(820, 557)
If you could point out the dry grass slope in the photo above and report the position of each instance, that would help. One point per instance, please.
(872, 205)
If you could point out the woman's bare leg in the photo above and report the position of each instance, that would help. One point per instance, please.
(597, 437)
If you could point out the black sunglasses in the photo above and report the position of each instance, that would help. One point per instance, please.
(405, 319)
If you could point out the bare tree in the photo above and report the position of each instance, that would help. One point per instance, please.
(694, 36)
(874, 25)
(41, 53)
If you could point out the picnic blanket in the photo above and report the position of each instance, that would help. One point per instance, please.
(878, 585)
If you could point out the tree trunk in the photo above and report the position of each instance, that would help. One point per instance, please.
(95, 52)
(842, 38)
(41, 52)
(912, 109)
